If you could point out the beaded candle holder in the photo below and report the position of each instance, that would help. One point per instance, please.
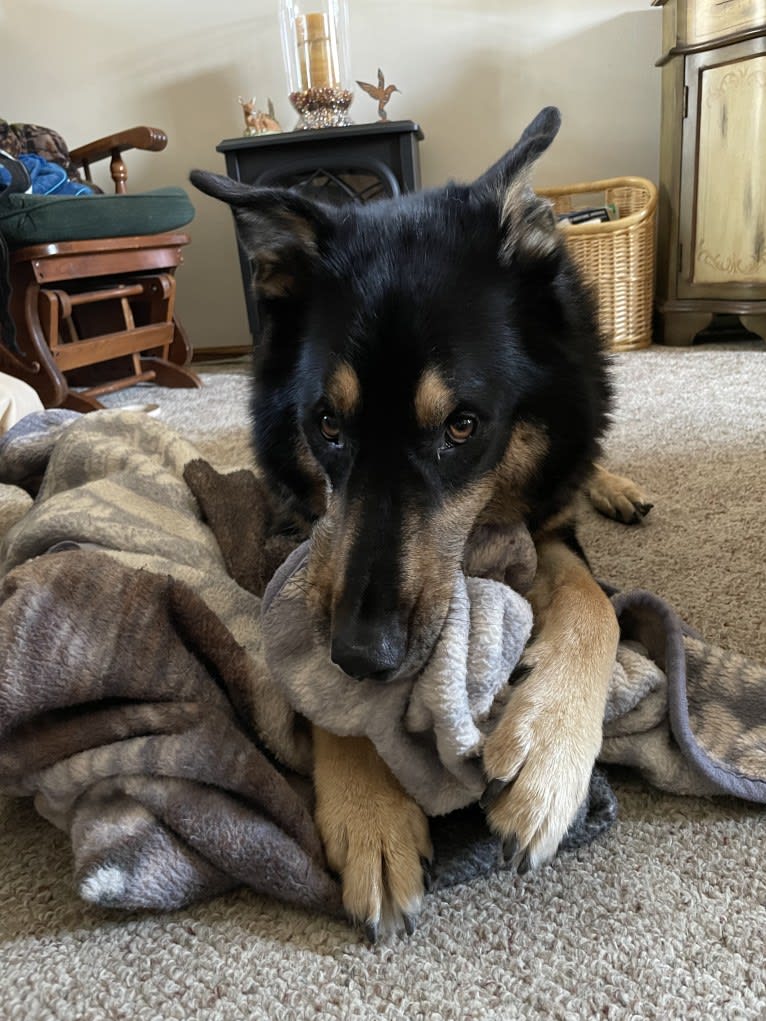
(315, 50)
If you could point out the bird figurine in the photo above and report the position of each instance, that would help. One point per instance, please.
(381, 92)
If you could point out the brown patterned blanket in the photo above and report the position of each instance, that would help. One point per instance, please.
(138, 709)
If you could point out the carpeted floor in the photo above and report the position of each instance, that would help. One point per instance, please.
(664, 918)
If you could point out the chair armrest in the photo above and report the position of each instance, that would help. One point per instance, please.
(150, 139)
(134, 138)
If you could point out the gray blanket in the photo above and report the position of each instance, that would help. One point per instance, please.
(430, 732)
(132, 657)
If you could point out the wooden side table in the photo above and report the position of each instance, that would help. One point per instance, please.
(359, 163)
(711, 255)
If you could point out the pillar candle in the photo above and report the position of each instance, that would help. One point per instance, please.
(317, 53)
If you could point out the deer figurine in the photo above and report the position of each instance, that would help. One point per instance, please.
(256, 121)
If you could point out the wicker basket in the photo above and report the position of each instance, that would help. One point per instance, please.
(616, 257)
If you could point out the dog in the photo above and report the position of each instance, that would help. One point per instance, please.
(431, 371)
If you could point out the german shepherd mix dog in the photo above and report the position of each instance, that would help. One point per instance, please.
(431, 374)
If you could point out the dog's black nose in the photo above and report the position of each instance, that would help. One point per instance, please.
(369, 652)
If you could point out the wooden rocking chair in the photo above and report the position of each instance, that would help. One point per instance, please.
(93, 283)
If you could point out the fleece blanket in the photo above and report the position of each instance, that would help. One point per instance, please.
(139, 706)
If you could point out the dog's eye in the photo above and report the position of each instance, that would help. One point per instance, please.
(329, 427)
(460, 428)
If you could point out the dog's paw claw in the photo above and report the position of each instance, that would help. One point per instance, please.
(492, 792)
(637, 513)
(525, 864)
(372, 931)
(520, 673)
(510, 848)
(428, 879)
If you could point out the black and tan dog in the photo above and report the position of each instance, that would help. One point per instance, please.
(431, 372)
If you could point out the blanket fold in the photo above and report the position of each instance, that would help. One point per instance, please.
(689, 715)
(153, 710)
(157, 715)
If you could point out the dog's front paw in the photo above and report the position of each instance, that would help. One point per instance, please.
(538, 761)
(377, 839)
(618, 497)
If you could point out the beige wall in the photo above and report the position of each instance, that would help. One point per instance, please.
(471, 73)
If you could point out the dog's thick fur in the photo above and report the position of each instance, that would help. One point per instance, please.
(430, 372)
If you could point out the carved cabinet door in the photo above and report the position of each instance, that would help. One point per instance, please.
(723, 177)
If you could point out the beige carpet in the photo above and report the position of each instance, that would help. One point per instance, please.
(664, 918)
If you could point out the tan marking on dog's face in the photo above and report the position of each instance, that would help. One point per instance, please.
(318, 498)
(434, 400)
(434, 544)
(522, 458)
(343, 390)
(331, 543)
(432, 555)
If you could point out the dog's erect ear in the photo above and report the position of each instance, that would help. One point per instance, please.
(530, 232)
(279, 230)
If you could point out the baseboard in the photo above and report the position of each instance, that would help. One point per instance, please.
(217, 354)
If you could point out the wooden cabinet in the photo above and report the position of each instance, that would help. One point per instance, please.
(711, 255)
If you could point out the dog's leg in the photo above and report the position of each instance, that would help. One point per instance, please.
(374, 834)
(617, 496)
(540, 756)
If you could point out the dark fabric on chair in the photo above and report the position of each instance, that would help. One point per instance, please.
(42, 219)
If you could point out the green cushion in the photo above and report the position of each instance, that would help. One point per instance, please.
(39, 219)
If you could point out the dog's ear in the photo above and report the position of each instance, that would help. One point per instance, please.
(530, 232)
(279, 230)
